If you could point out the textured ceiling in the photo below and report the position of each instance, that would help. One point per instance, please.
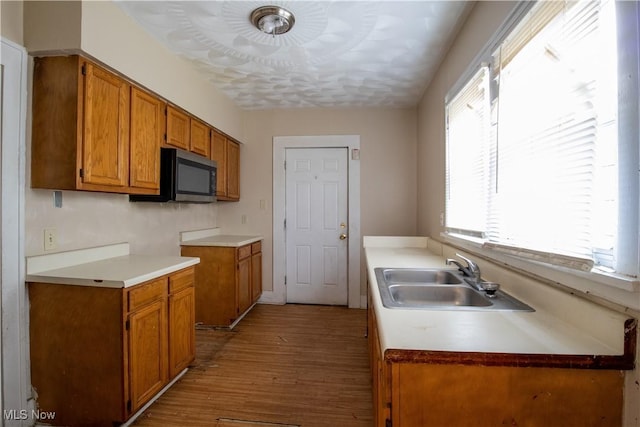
(338, 54)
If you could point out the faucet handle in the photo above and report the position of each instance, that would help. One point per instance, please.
(470, 263)
(473, 268)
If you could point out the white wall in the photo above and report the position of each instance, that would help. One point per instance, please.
(94, 219)
(11, 16)
(387, 169)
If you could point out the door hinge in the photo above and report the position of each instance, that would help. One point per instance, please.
(285, 280)
(84, 69)
(81, 171)
(165, 137)
(127, 325)
(285, 223)
(285, 165)
(129, 405)
(387, 423)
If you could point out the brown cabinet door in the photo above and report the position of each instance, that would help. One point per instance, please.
(147, 133)
(200, 138)
(178, 128)
(380, 372)
(233, 170)
(256, 276)
(182, 338)
(244, 285)
(148, 352)
(219, 154)
(105, 143)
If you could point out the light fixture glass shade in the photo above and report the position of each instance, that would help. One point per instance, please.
(272, 20)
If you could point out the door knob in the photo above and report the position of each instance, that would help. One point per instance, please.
(343, 236)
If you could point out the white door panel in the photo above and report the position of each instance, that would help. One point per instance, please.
(316, 216)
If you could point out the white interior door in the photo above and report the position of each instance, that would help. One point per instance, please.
(316, 233)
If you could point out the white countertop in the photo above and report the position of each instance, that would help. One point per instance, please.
(226, 240)
(213, 237)
(536, 332)
(109, 266)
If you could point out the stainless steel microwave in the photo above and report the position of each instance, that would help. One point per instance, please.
(184, 177)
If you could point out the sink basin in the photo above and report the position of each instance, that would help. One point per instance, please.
(435, 295)
(438, 289)
(420, 275)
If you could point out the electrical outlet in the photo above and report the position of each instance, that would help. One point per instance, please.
(243, 219)
(50, 239)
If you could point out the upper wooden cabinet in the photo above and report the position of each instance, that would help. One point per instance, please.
(147, 134)
(178, 128)
(200, 138)
(93, 130)
(226, 153)
(187, 132)
(105, 133)
(81, 130)
(233, 170)
(219, 154)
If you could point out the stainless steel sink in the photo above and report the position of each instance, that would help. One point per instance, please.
(419, 275)
(438, 289)
(437, 296)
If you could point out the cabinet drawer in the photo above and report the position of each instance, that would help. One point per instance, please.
(180, 280)
(256, 247)
(244, 252)
(147, 292)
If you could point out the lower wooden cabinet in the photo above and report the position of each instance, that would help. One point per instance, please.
(407, 393)
(256, 271)
(228, 281)
(99, 354)
(243, 288)
(182, 320)
(148, 346)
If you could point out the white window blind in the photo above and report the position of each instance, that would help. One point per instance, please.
(532, 139)
(467, 155)
(556, 104)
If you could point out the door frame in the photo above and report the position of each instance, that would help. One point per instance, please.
(280, 145)
(16, 382)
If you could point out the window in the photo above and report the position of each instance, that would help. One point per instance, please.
(535, 134)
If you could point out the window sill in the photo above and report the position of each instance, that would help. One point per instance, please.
(622, 290)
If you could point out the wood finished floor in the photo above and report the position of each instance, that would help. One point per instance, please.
(294, 364)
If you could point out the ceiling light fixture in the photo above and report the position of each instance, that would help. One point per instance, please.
(272, 20)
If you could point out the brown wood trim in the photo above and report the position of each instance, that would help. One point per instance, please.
(625, 361)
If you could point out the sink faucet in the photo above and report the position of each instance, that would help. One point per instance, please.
(471, 270)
